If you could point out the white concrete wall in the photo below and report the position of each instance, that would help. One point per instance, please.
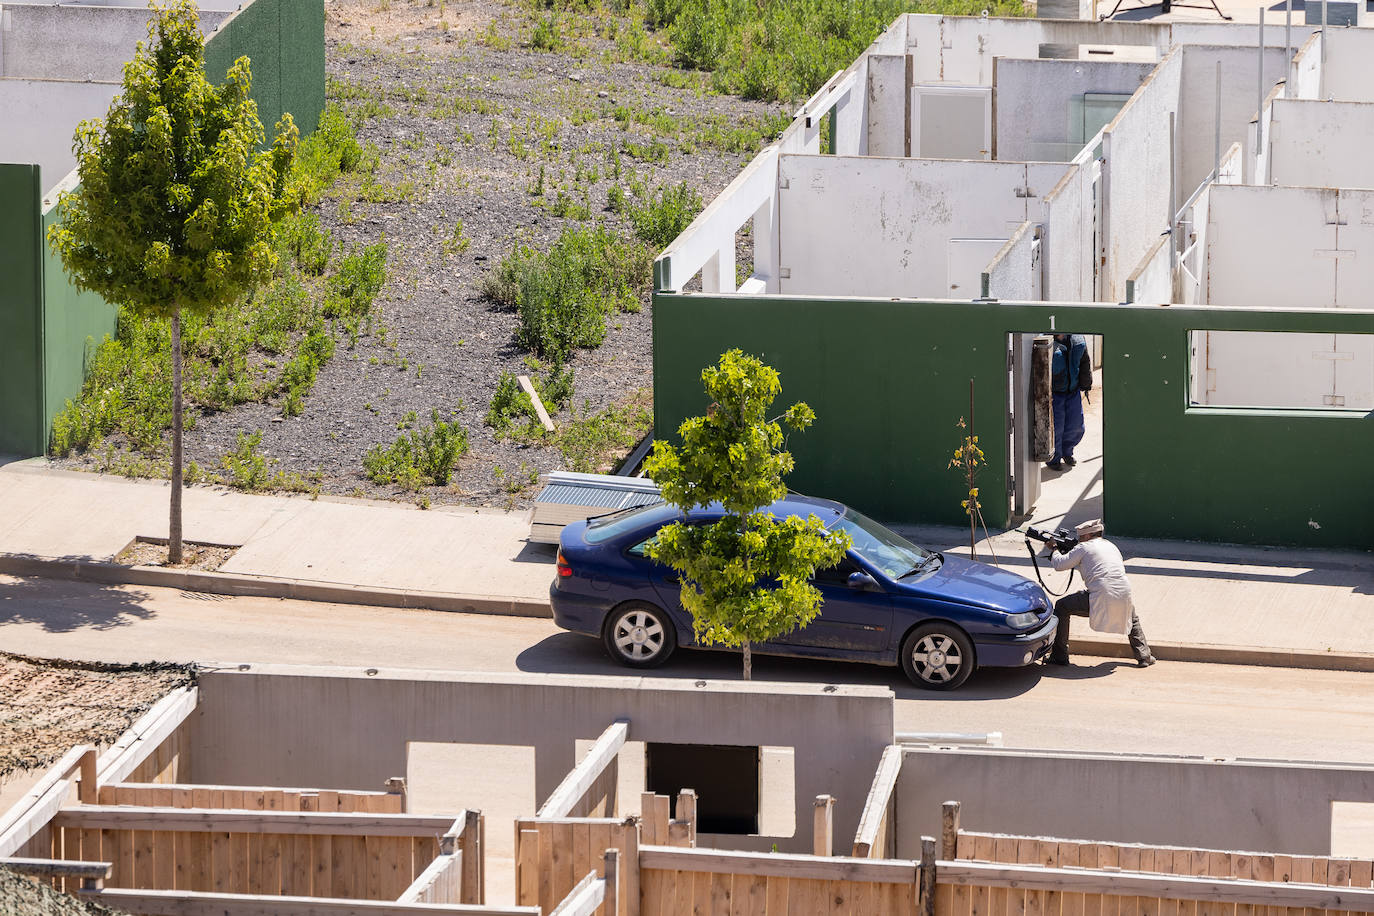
(34, 132)
(1037, 102)
(1346, 71)
(1069, 242)
(1242, 34)
(1228, 804)
(342, 728)
(1321, 144)
(960, 49)
(855, 226)
(85, 42)
(1153, 280)
(1136, 171)
(1305, 70)
(1282, 370)
(1014, 273)
(1197, 109)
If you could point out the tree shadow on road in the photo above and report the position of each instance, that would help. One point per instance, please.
(63, 605)
(572, 653)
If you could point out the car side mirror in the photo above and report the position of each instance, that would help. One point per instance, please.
(862, 581)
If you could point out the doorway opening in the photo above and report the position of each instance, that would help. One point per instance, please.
(1039, 494)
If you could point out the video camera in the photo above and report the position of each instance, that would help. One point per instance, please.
(1061, 539)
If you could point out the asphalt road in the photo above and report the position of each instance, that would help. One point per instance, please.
(1099, 704)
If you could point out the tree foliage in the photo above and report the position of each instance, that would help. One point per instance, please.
(746, 577)
(176, 201)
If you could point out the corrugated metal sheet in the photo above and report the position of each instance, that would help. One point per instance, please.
(565, 489)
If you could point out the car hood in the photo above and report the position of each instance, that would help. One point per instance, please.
(979, 585)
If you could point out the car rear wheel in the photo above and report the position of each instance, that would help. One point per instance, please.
(640, 635)
(938, 656)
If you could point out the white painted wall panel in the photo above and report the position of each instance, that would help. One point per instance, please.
(887, 105)
(1304, 73)
(1264, 244)
(1068, 242)
(79, 42)
(1276, 369)
(1321, 144)
(1348, 53)
(1013, 273)
(880, 227)
(1136, 148)
(1353, 260)
(1040, 103)
(33, 133)
(1197, 105)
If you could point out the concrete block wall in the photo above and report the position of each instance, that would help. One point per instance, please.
(1036, 101)
(337, 728)
(1259, 805)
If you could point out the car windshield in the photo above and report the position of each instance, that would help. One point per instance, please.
(885, 549)
(610, 526)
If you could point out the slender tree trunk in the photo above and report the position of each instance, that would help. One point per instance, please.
(748, 664)
(174, 525)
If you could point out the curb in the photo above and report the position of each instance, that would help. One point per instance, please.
(245, 585)
(1231, 655)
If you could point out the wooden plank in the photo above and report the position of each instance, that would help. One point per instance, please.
(980, 896)
(1201, 888)
(1242, 867)
(1318, 876)
(582, 850)
(836, 868)
(1262, 869)
(1000, 900)
(1149, 906)
(1302, 874)
(1361, 873)
(581, 778)
(527, 852)
(152, 728)
(528, 387)
(142, 817)
(175, 903)
(776, 898)
(35, 809)
(875, 808)
(719, 894)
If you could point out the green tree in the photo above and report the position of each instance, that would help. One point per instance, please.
(177, 201)
(745, 578)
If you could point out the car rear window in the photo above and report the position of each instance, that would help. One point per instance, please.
(608, 527)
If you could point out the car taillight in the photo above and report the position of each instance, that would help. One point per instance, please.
(564, 567)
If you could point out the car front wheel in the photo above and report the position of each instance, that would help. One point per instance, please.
(640, 635)
(938, 656)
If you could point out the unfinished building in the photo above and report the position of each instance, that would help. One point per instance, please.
(1190, 194)
(652, 796)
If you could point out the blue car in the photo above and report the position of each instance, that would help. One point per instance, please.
(888, 602)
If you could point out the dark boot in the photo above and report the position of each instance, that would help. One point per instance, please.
(1144, 658)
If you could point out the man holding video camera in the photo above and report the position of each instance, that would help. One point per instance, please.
(1106, 601)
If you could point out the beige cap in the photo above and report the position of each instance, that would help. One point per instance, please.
(1090, 529)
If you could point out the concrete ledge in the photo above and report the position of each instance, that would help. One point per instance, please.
(240, 584)
(1230, 655)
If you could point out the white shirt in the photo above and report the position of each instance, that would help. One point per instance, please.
(1104, 573)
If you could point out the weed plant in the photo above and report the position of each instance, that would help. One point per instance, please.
(419, 456)
(563, 296)
(660, 217)
(272, 343)
(593, 444)
(511, 413)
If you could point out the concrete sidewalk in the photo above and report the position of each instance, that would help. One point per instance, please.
(1198, 602)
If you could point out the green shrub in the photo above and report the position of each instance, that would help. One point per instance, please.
(298, 378)
(328, 152)
(546, 36)
(249, 469)
(350, 293)
(594, 444)
(563, 296)
(786, 49)
(511, 413)
(418, 456)
(662, 216)
(299, 237)
(616, 201)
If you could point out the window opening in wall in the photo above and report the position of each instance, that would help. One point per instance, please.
(741, 790)
(1281, 370)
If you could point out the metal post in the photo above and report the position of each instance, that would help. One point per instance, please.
(1216, 142)
(1288, 49)
(1259, 93)
(1173, 201)
(1321, 77)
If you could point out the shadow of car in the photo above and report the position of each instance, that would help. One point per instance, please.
(888, 602)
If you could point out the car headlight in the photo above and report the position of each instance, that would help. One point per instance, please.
(1021, 621)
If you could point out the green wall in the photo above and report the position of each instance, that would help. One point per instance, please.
(22, 423)
(284, 41)
(890, 379)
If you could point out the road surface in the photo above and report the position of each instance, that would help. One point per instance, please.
(1100, 704)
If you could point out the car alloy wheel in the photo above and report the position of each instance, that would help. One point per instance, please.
(938, 657)
(640, 635)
